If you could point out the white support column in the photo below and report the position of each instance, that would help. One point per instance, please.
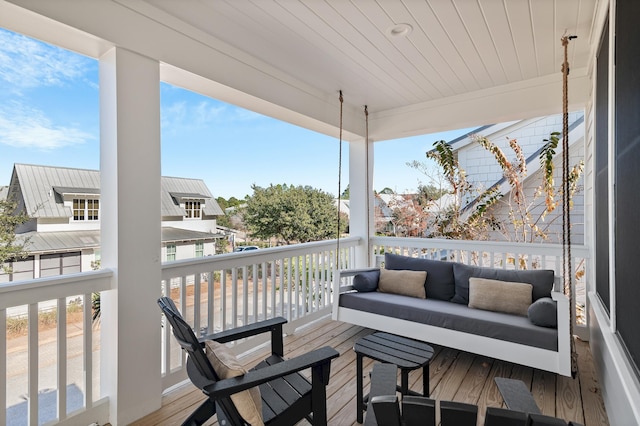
(130, 233)
(361, 207)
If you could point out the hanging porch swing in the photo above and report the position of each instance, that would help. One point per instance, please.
(562, 359)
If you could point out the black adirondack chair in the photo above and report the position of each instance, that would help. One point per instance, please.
(287, 396)
(385, 408)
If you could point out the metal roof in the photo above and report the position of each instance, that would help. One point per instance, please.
(171, 235)
(42, 188)
(48, 242)
(36, 184)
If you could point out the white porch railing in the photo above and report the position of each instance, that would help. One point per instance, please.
(499, 255)
(50, 361)
(58, 365)
(225, 291)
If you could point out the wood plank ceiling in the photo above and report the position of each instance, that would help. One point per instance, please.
(454, 46)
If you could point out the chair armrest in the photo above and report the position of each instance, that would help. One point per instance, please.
(313, 359)
(273, 325)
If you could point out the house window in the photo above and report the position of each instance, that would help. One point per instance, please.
(192, 209)
(85, 209)
(199, 249)
(171, 252)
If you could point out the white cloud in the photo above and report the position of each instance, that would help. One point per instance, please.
(27, 63)
(206, 113)
(246, 115)
(23, 126)
(202, 114)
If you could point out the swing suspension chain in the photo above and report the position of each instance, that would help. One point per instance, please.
(566, 221)
(366, 173)
(341, 99)
(566, 217)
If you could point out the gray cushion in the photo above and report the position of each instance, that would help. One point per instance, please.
(439, 283)
(540, 279)
(366, 281)
(497, 325)
(543, 312)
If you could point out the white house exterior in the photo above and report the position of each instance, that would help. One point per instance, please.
(65, 207)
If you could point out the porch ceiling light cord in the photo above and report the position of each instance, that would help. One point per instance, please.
(341, 99)
(567, 273)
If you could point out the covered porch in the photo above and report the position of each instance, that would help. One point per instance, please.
(470, 63)
(454, 376)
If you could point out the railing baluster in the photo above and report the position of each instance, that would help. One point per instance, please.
(223, 299)
(61, 328)
(272, 299)
(296, 289)
(3, 365)
(197, 323)
(245, 295)
(289, 279)
(234, 297)
(88, 352)
(316, 282)
(265, 279)
(282, 285)
(303, 285)
(33, 365)
(254, 296)
(211, 296)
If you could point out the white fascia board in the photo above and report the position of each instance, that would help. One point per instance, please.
(532, 98)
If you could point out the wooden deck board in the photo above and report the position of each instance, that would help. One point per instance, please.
(454, 375)
(592, 403)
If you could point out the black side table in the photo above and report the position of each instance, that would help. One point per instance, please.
(407, 354)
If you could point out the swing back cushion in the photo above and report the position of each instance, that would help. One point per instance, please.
(226, 365)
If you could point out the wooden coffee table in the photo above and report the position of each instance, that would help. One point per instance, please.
(407, 354)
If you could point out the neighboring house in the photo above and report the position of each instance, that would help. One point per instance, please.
(64, 227)
(382, 213)
(483, 170)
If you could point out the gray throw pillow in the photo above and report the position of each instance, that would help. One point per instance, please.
(366, 281)
(543, 312)
(439, 283)
(540, 279)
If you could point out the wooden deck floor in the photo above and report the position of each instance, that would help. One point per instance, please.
(454, 375)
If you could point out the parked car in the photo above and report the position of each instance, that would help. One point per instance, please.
(245, 248)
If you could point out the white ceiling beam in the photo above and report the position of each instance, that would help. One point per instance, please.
(526, 99)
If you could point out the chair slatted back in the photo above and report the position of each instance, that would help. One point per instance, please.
(187, 339)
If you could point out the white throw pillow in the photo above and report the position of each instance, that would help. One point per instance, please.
(500, 296)
(404, 282)
(226, 365)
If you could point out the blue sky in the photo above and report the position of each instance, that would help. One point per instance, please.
(49, 116)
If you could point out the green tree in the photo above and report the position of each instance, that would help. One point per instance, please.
(428, 193)
(345, 193)
(11, 248)
(291, 214)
